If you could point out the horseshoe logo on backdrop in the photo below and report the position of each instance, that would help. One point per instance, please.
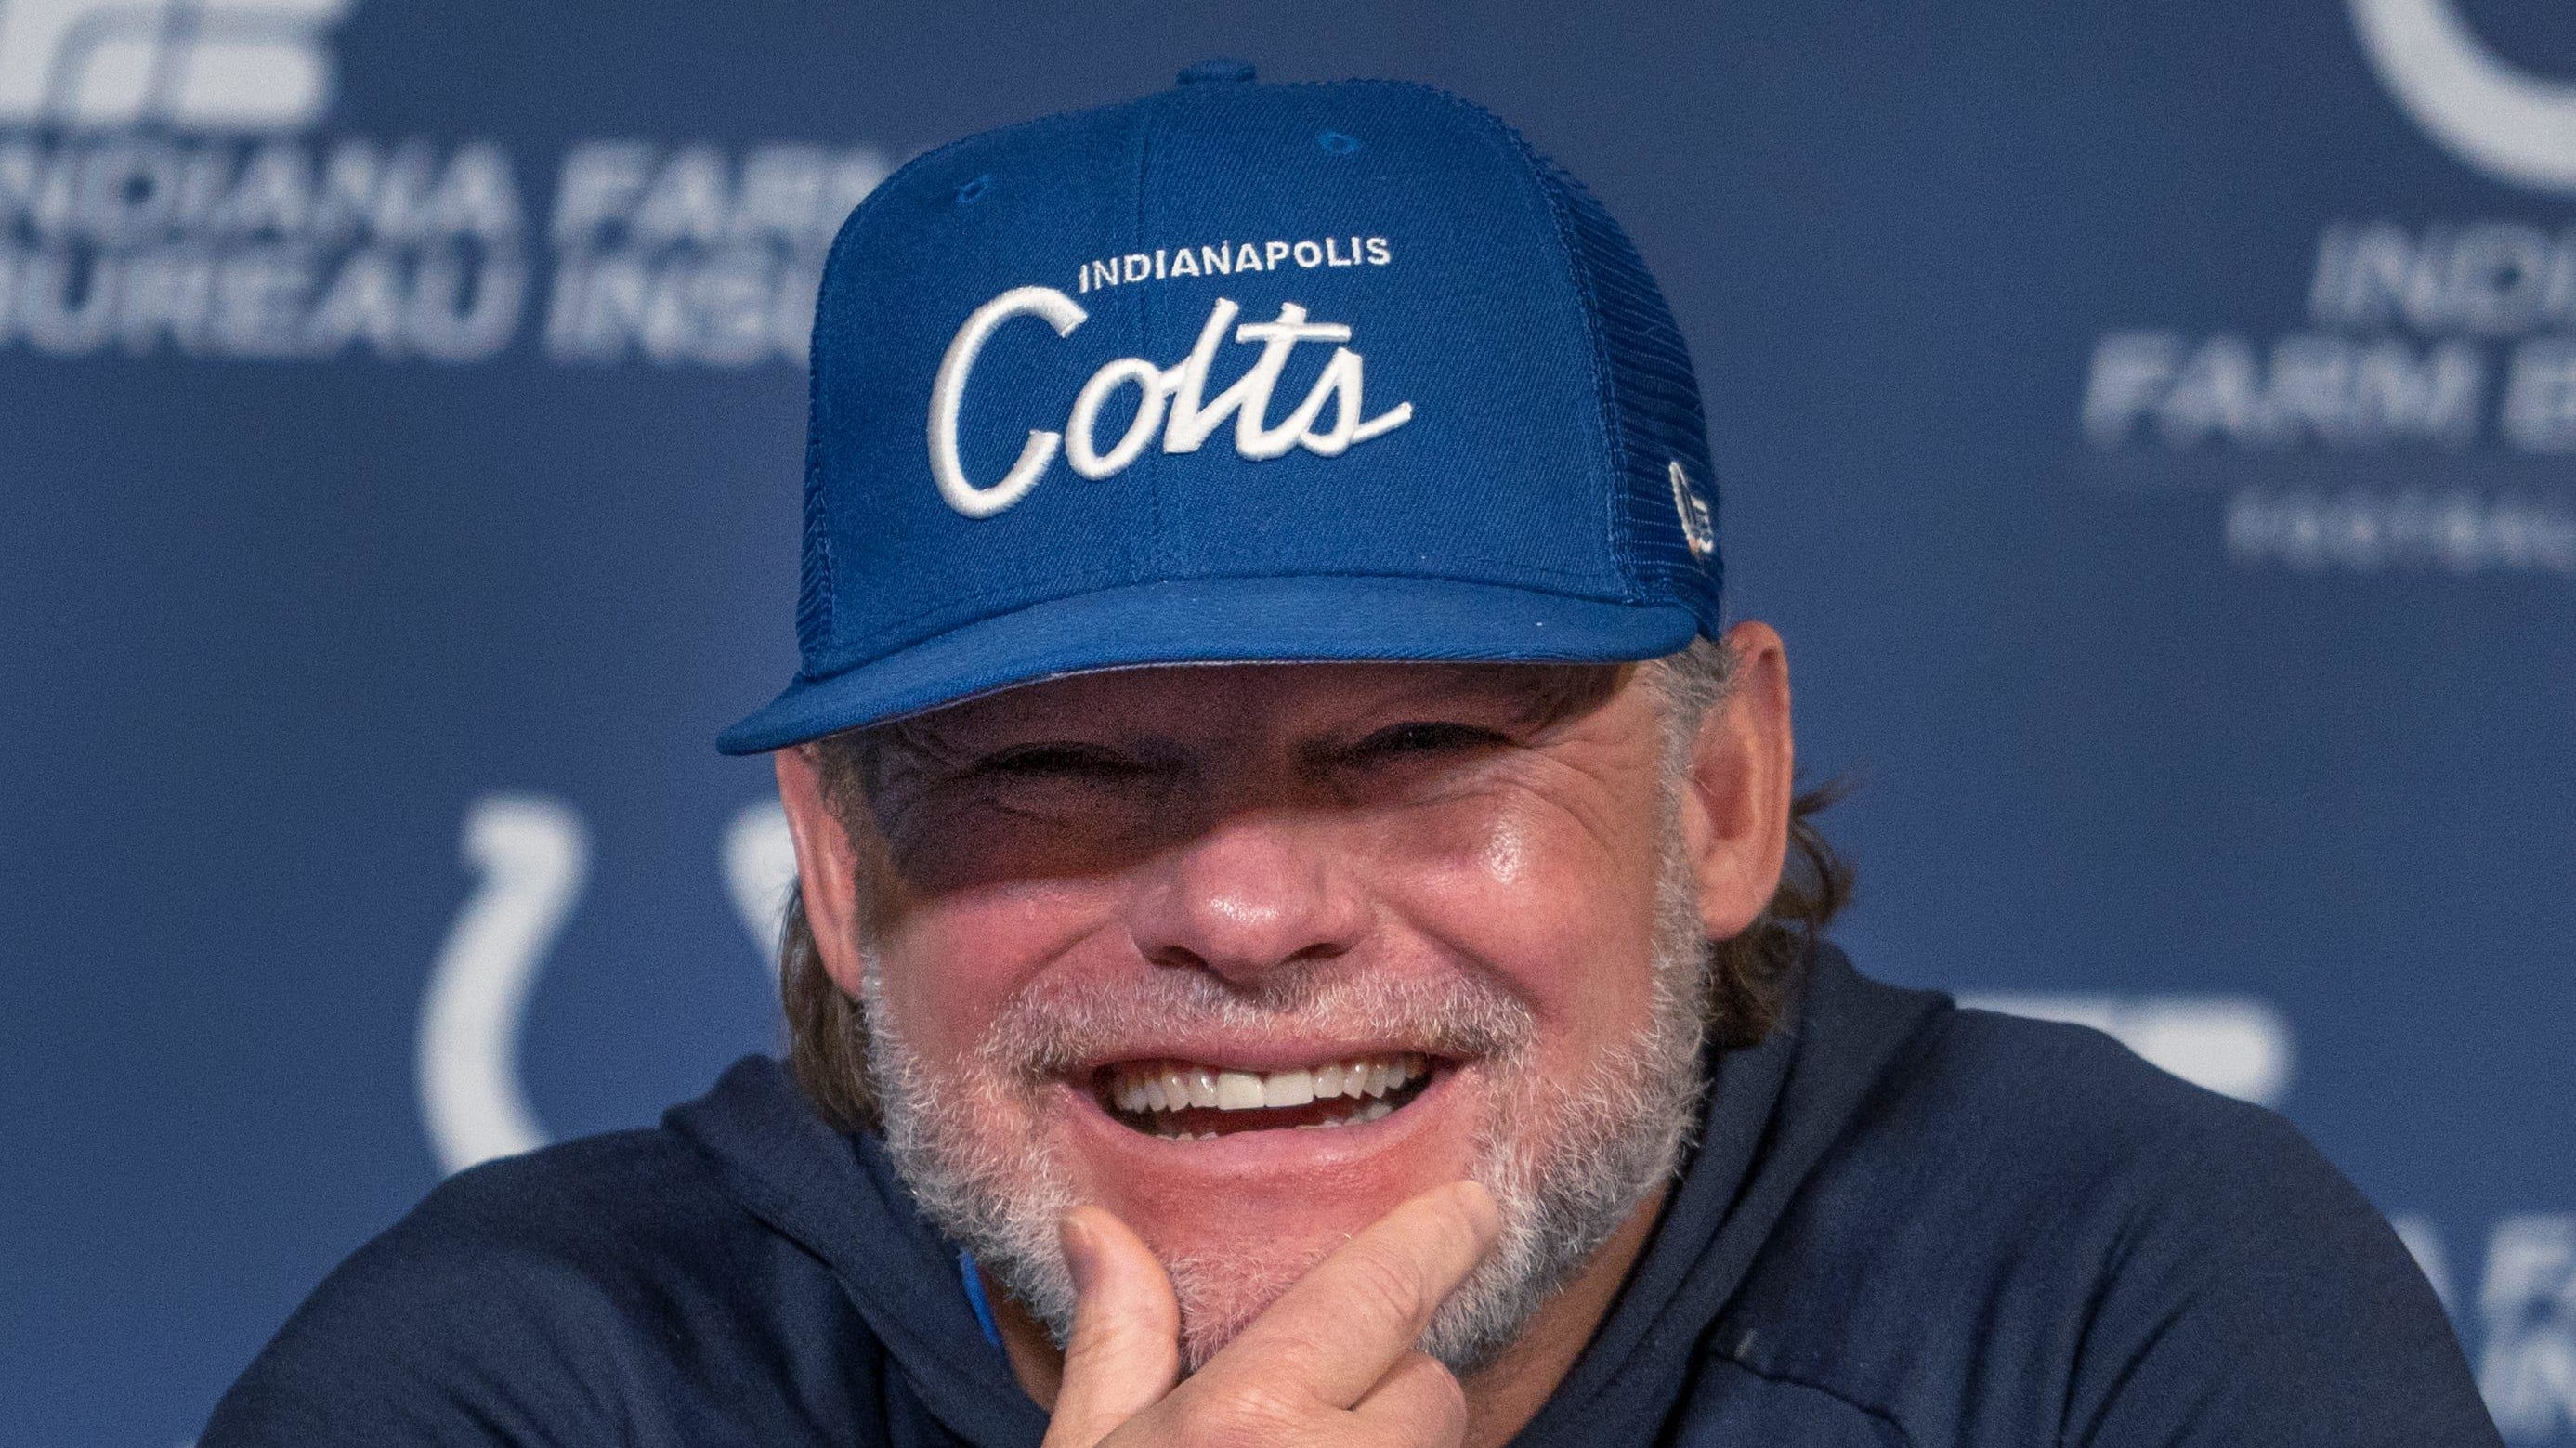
(2502, 120)
(760, 868)
(533, 857)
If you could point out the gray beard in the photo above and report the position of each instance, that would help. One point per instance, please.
(1567, 1166)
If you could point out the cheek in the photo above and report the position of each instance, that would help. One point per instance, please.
(951, 963)
(1562, 916)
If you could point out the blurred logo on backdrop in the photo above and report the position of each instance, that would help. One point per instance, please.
(168, 188)
(2490, 113)
(2517, 1314)
(530, 856)
(2421, 416)
(217, 64)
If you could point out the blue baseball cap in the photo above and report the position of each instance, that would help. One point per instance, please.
(1237, 372)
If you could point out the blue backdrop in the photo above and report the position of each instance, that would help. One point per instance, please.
(2151, 427)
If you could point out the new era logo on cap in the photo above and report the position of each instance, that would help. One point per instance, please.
(1237, 372)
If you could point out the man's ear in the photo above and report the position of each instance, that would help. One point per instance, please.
(1735, 820)
(827, 868)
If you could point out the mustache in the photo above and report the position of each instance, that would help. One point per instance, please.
(1054, 1027)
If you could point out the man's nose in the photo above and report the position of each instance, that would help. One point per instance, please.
(1254, 892)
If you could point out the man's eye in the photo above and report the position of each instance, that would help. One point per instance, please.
(1402, 740)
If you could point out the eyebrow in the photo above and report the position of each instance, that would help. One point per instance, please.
(1549, 694)
(1544, 695)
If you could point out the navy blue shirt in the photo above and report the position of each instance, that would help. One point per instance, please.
(1903, 1223)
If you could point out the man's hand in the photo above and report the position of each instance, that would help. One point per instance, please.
(1331, 1362)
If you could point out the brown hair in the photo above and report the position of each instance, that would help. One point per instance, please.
(1749, 977)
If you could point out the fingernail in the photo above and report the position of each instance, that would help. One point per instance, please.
(1078, 1252)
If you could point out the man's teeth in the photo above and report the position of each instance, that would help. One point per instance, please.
(1170, 1086)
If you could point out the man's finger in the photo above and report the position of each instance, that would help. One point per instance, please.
(1418, 1401)
(1125, 1353)
(1337, 1331)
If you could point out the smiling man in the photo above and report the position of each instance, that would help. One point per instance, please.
(1249, 959)
(1304, 931)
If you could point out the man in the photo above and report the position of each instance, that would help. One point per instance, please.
(1304, 933)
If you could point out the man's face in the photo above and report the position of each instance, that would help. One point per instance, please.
(1251, 954)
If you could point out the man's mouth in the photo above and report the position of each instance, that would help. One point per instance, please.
(1188, 1101)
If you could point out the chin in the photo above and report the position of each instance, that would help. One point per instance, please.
(1239, 1202)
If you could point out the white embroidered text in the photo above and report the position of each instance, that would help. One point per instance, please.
(1172, 401)
(1226, 258)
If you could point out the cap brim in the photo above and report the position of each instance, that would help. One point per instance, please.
(1219, 620)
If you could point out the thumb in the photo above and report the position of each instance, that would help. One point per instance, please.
(1125, 1353)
